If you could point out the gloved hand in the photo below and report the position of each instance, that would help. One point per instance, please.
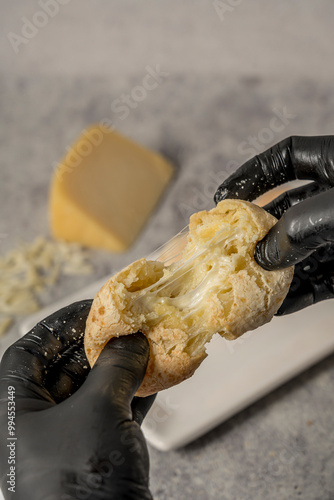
(304, 234)
(77, 431)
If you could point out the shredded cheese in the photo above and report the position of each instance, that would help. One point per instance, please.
(5, 323)
(28, 269)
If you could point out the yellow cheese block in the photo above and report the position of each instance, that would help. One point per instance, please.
(104, 190)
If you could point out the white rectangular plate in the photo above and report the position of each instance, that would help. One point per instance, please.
(235, 373)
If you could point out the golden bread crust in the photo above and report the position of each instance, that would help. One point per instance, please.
(216, 287)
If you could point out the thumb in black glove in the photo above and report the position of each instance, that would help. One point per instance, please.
(88, 445)
(304, 234)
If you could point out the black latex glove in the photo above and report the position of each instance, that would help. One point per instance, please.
(304, 235)
(87, 445)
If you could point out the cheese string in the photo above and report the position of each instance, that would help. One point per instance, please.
(182, 267)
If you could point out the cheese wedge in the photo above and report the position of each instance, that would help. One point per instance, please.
(104, 190)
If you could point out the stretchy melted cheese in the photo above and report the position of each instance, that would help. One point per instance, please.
(187, 287)
(104, 190)
(215, 287)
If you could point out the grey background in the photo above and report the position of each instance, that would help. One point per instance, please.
(228, 77)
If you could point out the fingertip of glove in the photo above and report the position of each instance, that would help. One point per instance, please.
(221, 193)
(132, 341)
(133, 344)
(260, 256)
(121, 366)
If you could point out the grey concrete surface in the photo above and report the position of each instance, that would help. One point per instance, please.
(223, 78)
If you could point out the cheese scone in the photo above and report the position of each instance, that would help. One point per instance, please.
(216, 286)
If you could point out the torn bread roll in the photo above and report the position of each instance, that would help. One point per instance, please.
(215, 287)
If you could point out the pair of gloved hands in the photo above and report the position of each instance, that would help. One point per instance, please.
(78, 431)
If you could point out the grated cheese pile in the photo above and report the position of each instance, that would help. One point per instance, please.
(27, 270)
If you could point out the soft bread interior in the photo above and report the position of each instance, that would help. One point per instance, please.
(182, 295)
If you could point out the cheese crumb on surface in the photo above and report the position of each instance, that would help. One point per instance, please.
(27, 270)
(5, 323)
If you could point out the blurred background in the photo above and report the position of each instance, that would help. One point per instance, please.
(234, 77)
